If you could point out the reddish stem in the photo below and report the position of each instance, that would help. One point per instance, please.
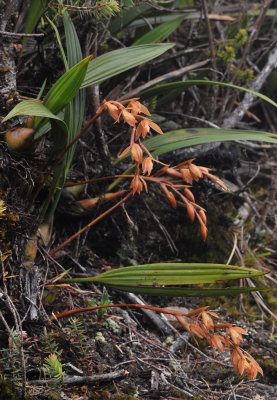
(92, 308)
(63, 244)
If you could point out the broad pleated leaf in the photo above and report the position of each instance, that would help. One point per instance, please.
(121, 60)
(74, 55)
(173, 140)
(63, 91)
(181, 86)
(159, 33)
(32, 108)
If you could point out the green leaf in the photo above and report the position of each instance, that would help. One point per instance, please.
(173, 140)
(63, 91)
(168, 278)
(36, 9)
(159, 19)
(32, 108)
(126, 17)
(186, 292)
(173, 274)
(181, 86)
(74, 55)
(159, 33)
(59, 43)
(118, 61)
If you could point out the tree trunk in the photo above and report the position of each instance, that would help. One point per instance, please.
(8, 17)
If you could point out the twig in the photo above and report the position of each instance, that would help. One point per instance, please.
(73, 380)
(19, 332)
(176, 387)
(156, 319)
(248, 99)
(4, 33)
(169, 75)
(233, 249)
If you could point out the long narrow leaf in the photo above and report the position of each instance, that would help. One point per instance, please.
(185, 292)
(121, 60)
(168, 274)
(159, 33)
(181, 86)
(168, 278)
(173, 140)
(35, 11)
(126, 17)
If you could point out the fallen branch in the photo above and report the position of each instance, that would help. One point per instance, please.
(73, 380)
(246, 103)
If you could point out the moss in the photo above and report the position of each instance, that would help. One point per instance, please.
(7, 390)
(270, 369)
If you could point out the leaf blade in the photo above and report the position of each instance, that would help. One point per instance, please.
(121, 60)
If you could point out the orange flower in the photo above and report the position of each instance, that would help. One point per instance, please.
(136, 153)
(144, 127)
(128, 117)
(137, 184)
(219, 342)
(186, 175)
(195, 172)
(207, 320)
(196, 328)
(147, 165)
(136, 107)
(113, 107)
(236, 334)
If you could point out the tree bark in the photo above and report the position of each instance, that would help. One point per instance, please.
(8, 17)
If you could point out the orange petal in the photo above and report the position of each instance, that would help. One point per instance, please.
(155, 127)
(128, 117)
(196, 173)
(186, 175)
(147, 166)
(136, 153)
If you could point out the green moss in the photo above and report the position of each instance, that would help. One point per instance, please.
(7, 390)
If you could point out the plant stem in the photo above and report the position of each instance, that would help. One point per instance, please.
(61, 156)
(63, 244)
